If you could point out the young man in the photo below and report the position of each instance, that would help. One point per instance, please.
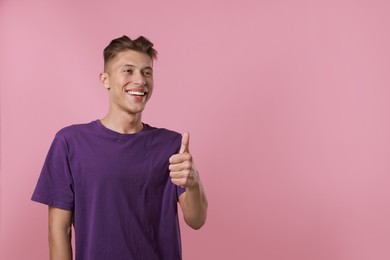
(118, 180)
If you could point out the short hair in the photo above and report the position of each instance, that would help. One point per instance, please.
(141, 44)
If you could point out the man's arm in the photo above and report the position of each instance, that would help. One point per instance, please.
(60, 222)
(193, 201)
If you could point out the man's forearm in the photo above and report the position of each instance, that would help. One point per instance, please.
(194, 206)
(60, 236)
(60, 244)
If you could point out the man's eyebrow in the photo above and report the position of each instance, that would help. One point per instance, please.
(131, 65)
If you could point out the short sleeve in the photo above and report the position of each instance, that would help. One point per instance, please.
(179, 191)
(55, 184)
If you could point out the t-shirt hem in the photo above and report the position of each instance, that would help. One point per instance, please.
(52, 203)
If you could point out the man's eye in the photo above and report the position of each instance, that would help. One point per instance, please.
(147, 73)
(129, 71)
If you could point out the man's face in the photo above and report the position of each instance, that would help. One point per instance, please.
(129, 78)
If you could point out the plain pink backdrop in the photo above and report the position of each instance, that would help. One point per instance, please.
(287, 103)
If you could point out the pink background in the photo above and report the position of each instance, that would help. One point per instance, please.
(287, 103)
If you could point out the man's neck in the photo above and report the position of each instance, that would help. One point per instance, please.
(124, 124)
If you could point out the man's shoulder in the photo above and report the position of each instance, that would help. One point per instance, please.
(164, 137)
(164, 132)
(74, 130)
(163, 140)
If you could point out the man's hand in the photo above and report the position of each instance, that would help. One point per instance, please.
(182, 169)
(193, 201)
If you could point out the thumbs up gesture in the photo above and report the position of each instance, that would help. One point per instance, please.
(182, 169)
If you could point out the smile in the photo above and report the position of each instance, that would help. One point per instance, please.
(136, 93)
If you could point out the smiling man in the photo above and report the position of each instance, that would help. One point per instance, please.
(117, 179)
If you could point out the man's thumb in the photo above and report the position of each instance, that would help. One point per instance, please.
(185, 143)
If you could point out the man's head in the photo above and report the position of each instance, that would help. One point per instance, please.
(128, 74)
(124, 43)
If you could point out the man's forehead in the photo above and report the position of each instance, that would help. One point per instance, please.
(131, 57)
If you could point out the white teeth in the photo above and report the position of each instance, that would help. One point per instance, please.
(136, 93)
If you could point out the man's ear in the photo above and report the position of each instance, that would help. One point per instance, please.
(104, 80)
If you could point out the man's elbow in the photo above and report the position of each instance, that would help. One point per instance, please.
(196, 223)
(196, 226)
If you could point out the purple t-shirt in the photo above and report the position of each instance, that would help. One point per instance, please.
(118, 187)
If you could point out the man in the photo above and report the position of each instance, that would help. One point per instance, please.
(118, 180)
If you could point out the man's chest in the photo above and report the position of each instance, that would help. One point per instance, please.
(113, 166)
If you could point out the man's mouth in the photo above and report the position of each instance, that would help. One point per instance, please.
(137, 93)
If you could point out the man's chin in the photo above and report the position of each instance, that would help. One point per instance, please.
(136, 110)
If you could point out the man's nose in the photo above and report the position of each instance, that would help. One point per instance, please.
(139, 78)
